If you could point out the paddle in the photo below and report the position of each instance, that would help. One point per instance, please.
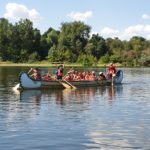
(67, 81)
(67, 72)
(64, 84)
(112, 79)
(30, 70)
(69, 84)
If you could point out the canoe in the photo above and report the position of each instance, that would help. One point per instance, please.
(26, 82)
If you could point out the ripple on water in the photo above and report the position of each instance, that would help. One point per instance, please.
(109, 117)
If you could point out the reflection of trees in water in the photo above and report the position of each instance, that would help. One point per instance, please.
(9, 75)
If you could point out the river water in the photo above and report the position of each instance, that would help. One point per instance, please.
(107, 118)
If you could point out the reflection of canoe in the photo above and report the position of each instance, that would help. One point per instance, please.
(30, 94)
(28, 83)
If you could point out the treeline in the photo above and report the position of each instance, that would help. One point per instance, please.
(21, 42)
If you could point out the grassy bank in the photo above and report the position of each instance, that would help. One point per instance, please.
(47, 64)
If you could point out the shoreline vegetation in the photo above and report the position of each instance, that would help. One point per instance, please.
(23, 45)
(50, 64)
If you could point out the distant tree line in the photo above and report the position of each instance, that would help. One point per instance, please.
(21, 42)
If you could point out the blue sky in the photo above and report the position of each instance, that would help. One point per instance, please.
(109, 18)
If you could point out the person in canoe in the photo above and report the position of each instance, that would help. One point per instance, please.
(101, 76)
(111, 71)
(35, 73)
(59, 72)
(47, 77)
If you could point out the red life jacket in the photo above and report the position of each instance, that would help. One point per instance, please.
(59, 73)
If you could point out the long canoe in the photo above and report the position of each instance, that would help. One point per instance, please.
(26, 82)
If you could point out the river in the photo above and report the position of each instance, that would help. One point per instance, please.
(108, 117)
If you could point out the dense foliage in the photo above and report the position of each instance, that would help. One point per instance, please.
(21, 42)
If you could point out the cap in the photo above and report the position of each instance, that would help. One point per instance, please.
(100, 73)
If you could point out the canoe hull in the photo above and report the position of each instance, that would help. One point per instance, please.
(28, 83)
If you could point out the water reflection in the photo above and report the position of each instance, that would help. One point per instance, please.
(80, 96)
(33, 95)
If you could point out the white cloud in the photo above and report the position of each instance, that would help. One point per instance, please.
(109, 31)
(145, 16)
(134, 29)
(78, 16)
(16, 12)
(148, 37)
(127, 33)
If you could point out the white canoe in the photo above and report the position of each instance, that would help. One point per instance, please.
(26, 82)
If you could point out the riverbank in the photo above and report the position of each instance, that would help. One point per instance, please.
(36, 65)
(47, 64)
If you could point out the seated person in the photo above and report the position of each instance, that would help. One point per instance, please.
(87, 75)
(36, 73)
(47, 77)
(93, 76)
(69, 76)
(101, 76)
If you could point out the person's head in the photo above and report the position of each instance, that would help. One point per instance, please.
(100, 73)
(61, 65)
(36, 69)
(111, 64)
(93, 72)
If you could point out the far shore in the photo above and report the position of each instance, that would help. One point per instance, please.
(9, 64)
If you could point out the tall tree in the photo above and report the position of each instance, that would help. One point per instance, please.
(96, 46)
(49, 40)
(73, 37)
(5, 38)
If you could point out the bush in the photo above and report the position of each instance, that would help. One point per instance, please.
(33, 57)
(104, 59)
(87, 60)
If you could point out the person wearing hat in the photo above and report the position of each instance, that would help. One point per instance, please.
(101, 76)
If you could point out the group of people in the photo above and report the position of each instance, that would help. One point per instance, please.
(36, 74)
(85, 75)
(73, 75)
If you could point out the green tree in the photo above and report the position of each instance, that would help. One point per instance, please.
(96, 46)
(49, 40)
(5, 38)
(73, 37)
(137, 43)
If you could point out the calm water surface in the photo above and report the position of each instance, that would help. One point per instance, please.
(107, 118)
